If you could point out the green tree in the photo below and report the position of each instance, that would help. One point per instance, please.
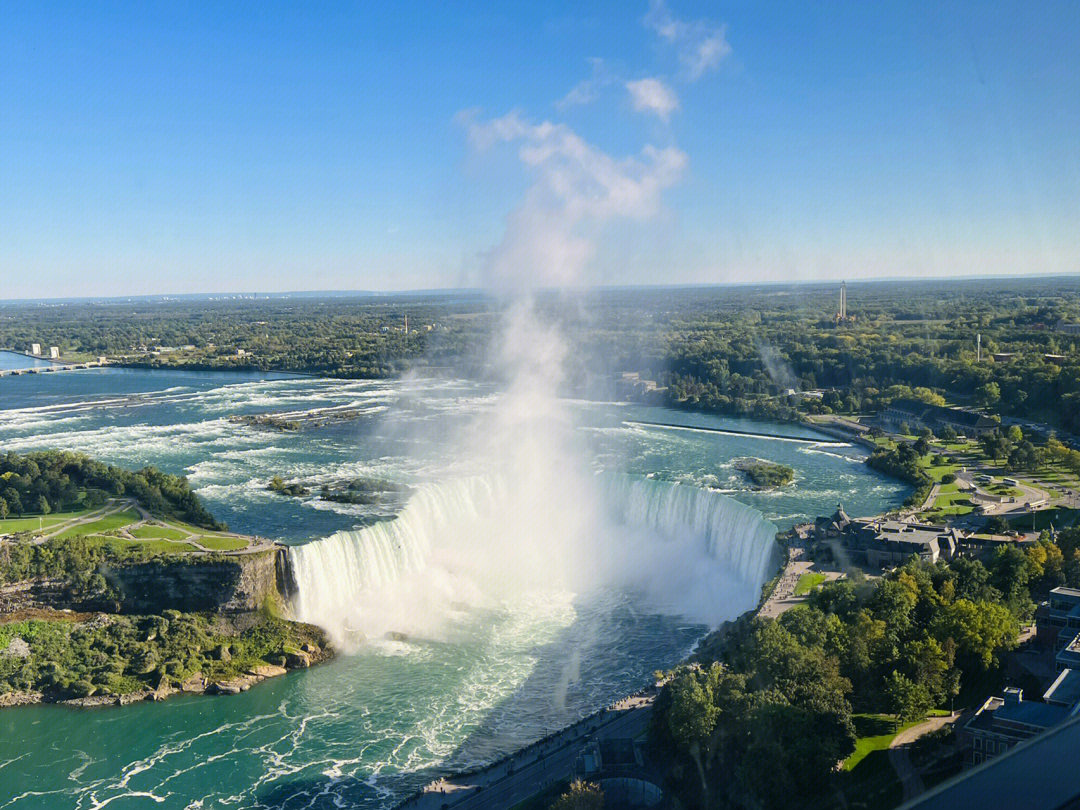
(1014, 434)
(988, 395)
(42, 505)
(580, 796)
(692, 719)
(947, 434)
(980, 630)
(14, 500)
(909, 701)
(3, 509)
(995, 445)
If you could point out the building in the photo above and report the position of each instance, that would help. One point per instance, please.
(918, 415)
(54, 352)
(1038, 774)
(1057, 620)
(1004, 357)
(1068, 328)
(835, 526)
(1003, 722)
(887, 543)
(629, 385)
(35, 349)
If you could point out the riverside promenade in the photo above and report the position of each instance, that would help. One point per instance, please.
(528, 771)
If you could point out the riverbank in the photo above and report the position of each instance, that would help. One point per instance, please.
(111, 659)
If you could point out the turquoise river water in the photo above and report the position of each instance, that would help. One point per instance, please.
(487, 666)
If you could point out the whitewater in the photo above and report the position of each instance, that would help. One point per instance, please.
(456, 646)
(679, 549)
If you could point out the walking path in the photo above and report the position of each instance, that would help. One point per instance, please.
(192, 535)
(900, 759)
(526, 772)
(783, 596)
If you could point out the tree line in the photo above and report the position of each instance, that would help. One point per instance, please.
(55, 480)
(764, 715)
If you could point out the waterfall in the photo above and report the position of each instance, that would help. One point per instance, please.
(734, 534)
(468, 543)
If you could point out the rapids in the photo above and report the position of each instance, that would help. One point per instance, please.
(485, 659)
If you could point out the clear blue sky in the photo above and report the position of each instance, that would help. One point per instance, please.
(197, 147)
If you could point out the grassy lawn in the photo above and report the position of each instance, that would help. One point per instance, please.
(873, 732)
(219, 543)
(951, 501)
(938, 471)
(161, 532)
(26, 524)
(807, 582)
(122, 544)
(108, 523)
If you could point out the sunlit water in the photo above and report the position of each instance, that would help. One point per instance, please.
(376, 723)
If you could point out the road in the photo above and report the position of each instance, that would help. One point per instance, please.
(527, 772)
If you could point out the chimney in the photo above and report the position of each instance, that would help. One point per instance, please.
(1013, 695)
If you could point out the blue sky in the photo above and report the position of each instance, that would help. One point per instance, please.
(199, 147)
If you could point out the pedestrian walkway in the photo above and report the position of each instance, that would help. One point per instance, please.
(527, 772)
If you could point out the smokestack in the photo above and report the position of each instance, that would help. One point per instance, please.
(978, 348)
(406, 324)
(843, 300)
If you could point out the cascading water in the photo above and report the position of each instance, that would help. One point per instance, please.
(733, 534)
(456, 547)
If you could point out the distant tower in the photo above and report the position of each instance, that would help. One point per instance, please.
(843, 300)
(978, 348)
(406, 324)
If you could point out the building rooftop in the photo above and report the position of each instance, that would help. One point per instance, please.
(1038, 774)
(1065, 690)
(1030, 713)
(958, 416)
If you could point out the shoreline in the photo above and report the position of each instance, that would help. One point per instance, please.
(196, 684)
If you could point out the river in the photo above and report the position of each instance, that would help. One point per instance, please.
(500, 667)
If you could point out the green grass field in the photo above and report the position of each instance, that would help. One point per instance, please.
(220, 543)
(108, 523)
(807, 582)
(874, 733)
(151, 532)
(26, 524)
(122, 544)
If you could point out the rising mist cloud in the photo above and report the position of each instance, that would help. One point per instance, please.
(577, 188)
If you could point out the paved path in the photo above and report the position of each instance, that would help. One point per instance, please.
(783, 596)
(900, 759)
(530, 770)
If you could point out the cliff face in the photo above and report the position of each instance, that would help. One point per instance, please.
(237, 583)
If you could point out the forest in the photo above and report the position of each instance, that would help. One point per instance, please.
(739, 349)
(54, 481)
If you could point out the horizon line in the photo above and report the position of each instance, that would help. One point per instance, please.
(263, 294)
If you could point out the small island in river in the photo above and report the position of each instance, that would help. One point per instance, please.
(119, 586)
(765, 474)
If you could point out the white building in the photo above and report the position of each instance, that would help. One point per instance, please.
(35, 349)
(54, 352)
